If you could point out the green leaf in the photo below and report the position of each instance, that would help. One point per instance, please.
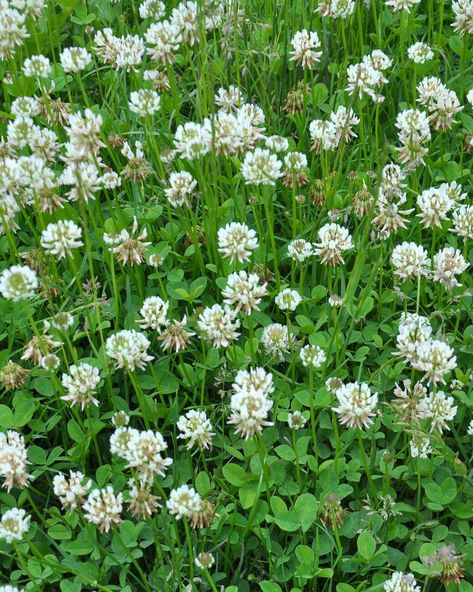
(366, 545)
(234, 474)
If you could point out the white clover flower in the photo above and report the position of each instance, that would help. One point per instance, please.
(12, 29)
(469, 96)
(336, 8)
(13, 460)
(129, 349)
(436, 358)
(154, 312)
(410, 261)
(288, 299)
(50, 362)
(219, 324)
(184, 502)
(439, 409)
(229, 99)
(413, 331)
(244, 291)
(9, 588)
(204, 560)
(18, 282)
(26, 106)
(154, 9)
(37, 66)
(333, 241)
(81, 385)
(182, 188)
(260, 167)
(61, 237)
(296, 421)
(103, 507)
(71, 492)
(398, 5)
(299, 250)
(277, 143)
(254, 378)
(195, 427)
(420, 52)
(75, 59)
(463, 10)
(469, 430)
(236, 241)
(62, 321)
(400, 582)
(414, 134)
(192, 140)
(448, 263)
(14, 524)
(313, 356)
(356, 405)
(463, 221)
(142, 450)
(164, 38)
(420, 447)
(434, 204)
(305, 46)
(144, 102)
(275, 340)
(250, 403)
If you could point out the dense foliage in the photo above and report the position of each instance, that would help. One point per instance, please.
(236, 311)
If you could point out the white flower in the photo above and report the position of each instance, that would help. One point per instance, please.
(312, 355)
(333, 241)
(37, 66)
(420, 53)
(304, 48)
(448, 263)
(195, 427)
(229, 99)
(436, 358)
(463, 221)
(142, 450)
(81, 384)
(463, 10)
(288, 299)
(182, 187)
(400, 582)
(260, 167)
(154, 9)
(438, 408)
(250, 403)
(204, 560)
(469, 430)
(153, 313)
(410, 261)
(219, 325)
(144, 102)
(72, 491)
(129, 349)
(277, 143)
(420, 447)
(103, 507)
(356, 405)
(18, 282)
(434, 204)
(75, 59)
(299, 250)
(61, 237)
(14, 524)
(296, 421)
(13, 460)
(275, 340)
(184, 502)
(244, 291)
(398, 5)
(236, 241)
